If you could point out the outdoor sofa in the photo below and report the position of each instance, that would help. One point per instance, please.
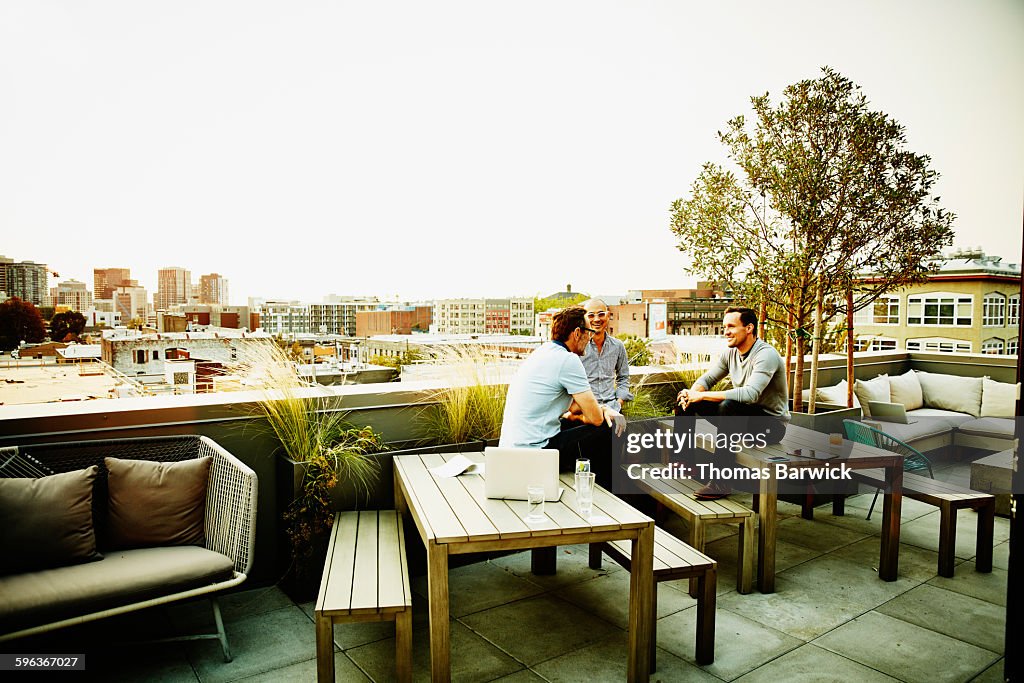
(943, 411)
(120, 525)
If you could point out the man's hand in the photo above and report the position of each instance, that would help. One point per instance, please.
(688, 396)
(614, 419)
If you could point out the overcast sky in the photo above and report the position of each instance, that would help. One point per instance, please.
(432, 149)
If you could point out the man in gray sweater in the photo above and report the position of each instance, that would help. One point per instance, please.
(758, 403)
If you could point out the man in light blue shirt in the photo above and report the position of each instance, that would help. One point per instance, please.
(550, 382)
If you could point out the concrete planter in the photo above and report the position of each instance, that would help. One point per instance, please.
(827, 418)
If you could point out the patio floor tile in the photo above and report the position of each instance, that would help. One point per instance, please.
(959, 616)
(924, 532)
(304, 672)
(481, 586)
(572, 566)
(990, 586)
(906, 651)
(811, 664)
(1001, 555)
(537, 629)
(472, 657)
(608, 598)
(917, 564)
(815, 535)
(607, 660)
(993, 674)
(259, 643)
(741, 644)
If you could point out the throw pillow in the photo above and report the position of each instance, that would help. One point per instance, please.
(47, 522)
(998, 399)
(836, 395)
(949, 392)
(876, 389)
(156, 503)
(906, 389)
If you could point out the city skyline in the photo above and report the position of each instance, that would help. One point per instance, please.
(457, 149)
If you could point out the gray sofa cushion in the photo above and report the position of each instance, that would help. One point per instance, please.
(998, 427)
(121, 578)
(47, 522)
(919, 427)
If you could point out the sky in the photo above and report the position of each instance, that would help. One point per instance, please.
(423, 150)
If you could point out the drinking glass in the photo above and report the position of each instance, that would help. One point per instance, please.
(585, 493)
(535, 504)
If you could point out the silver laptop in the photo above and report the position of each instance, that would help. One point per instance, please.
(509, 471)
(889, 412)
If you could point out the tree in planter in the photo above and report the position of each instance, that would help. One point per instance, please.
(826, 193)
(637, 349)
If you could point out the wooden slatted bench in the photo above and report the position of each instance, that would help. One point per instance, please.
(948, 498)
(365, 579)
(677, 496)
(673, 560)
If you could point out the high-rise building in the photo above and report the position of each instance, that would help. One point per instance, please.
(25, 280)
(106, 280)
(174, 286)
(131, 303)
(71, 295)
(213, 289)
(337, 315)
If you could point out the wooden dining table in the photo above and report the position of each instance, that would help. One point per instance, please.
(854, 456)
(453, 516)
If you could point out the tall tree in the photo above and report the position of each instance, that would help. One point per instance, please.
(65, 325)
(824, 192)
(20, 322)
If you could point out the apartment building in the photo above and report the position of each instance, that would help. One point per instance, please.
(174, 286)
(483, 316)
(25, 280)
(396, 320)
(215, 315)
(131, 302)
(71, 295)
(213, 289)
(971, 305)
(106, 280)
(337, 315)
(284, 317)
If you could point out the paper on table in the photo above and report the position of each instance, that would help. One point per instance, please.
(460, 464)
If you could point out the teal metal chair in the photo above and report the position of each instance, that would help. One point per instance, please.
(913, 459)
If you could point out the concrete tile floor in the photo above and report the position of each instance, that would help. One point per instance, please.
(831, 619)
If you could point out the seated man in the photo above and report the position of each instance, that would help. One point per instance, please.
(547, 384)
(605, 359)
(760, 391)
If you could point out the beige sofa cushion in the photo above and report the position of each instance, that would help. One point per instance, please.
(47, 522)
(906, 389)
(836, 395)
(156, 503)
(998, 399)
(876, 389)
(960, 394)
(123, 577)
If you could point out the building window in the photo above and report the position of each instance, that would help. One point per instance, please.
(939, 309)
(1011, 347)
(939, 345)
(140, 356)
(156, 355)
(883, 311)
(874, 344)
(1013, 310)
(993, 346)
(994, 310)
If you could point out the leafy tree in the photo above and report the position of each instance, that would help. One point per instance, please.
(46, 312)
(637, 350)
(65, 325)
(20, 321)
(824, 192)
(541, 304)
(136, 324)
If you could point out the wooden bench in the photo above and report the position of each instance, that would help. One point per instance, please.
(673, 560)
(677, 495)
(948, 498)
(365, 579)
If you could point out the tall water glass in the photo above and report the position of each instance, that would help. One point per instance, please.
(535, 504)
(585, 493)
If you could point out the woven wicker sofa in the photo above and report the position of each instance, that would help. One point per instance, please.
(131, 579)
